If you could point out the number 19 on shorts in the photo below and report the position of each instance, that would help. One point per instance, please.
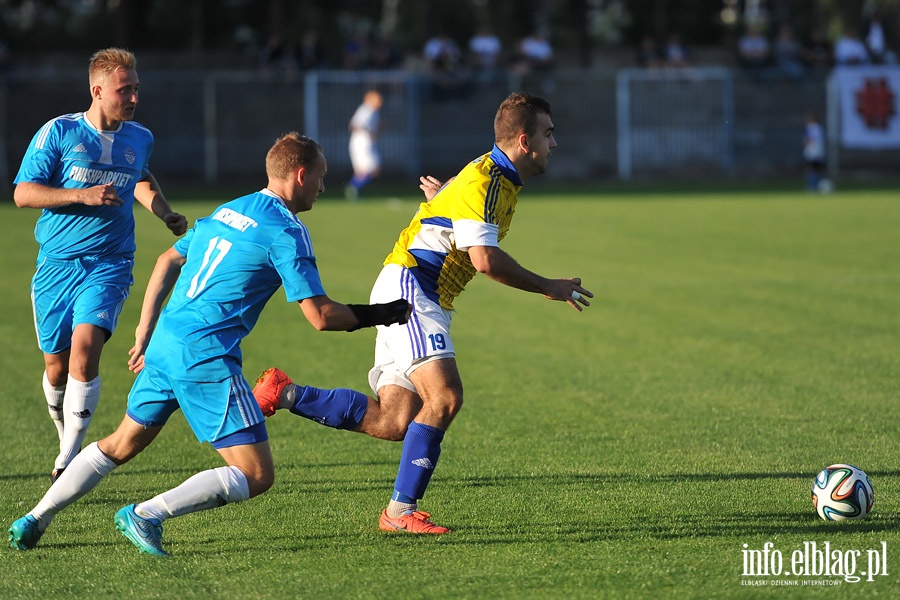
(437, 341)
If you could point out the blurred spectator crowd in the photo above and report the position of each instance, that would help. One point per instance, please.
(449, 61)
(766, 46)
(768, 49)
(773, 49)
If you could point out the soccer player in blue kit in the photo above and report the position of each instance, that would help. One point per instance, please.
(453, 235)
(85, 170)
(188, 356)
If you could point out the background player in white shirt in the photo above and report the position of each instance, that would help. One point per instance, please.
(814, 155)
(85, 170)
(364, 155)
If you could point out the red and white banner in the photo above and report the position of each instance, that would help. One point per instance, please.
(870, 106)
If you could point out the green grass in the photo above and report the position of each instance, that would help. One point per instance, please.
(738, 343)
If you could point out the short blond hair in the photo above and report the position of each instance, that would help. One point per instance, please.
(289, 152)
(108, 61)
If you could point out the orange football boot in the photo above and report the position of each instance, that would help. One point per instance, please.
(413, 521)
(268, 389)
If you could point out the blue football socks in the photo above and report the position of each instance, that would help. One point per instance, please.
(341, 408)
(421, 449)
(359, 181)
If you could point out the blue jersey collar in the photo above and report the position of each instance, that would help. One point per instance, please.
(505, 165)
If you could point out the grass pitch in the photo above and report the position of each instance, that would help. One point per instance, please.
(738, 343)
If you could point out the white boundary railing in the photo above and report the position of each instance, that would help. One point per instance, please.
(666, 118)
(215, 126)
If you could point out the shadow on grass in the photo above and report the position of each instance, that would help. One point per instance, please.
(538, 527)
(144, 470)
(563, 530)
(606, 478)
(487, 480)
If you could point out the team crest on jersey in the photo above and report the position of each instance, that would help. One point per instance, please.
(130, 155)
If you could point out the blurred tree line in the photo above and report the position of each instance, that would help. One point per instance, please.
(576, 27)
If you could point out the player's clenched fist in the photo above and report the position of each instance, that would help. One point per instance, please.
(101, 195)
(176, 222)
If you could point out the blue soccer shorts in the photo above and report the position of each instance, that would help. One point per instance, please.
(223, 413)
(66, 293)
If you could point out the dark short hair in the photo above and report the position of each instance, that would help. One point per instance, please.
(518, 114)
(289, 152)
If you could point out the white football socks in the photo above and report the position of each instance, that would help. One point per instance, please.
(205, 490)
(396, 508)
(54, 395)
(288, 396)
(79, 406)
(81, 476)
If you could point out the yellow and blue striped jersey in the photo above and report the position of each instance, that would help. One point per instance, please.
(474, 209)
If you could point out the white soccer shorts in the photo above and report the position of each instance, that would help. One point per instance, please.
(401, 349)
(363, 154)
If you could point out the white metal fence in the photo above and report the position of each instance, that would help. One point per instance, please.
(215, 126)
(673, 119)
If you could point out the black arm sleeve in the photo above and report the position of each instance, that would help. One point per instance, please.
(370, 315)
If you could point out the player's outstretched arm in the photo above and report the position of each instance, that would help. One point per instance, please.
(325, 314)
(503, 268)
(162, 280)
(149, 194)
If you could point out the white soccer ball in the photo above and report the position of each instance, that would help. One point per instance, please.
(842, 492)
(825, 186)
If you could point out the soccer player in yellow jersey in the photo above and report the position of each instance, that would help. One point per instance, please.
(454, 234)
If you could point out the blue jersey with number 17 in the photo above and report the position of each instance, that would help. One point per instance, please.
(70, 152)
(236, 259)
